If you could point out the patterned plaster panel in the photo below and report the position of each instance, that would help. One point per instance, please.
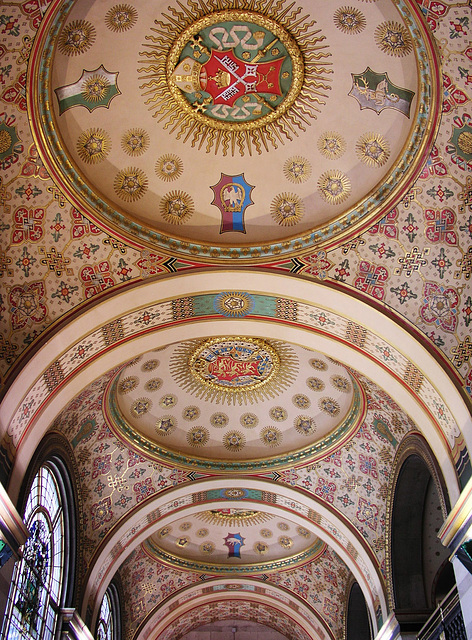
(321, 584)
(113, 479)
(240, 609)
(259, 591)
(355, 478)
(146, 584)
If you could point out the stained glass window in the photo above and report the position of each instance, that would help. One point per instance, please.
(109, 619)
(105, 621)
(34, 599)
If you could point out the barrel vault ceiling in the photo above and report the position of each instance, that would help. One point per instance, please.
(236, 263)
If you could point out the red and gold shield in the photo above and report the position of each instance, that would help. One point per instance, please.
(226, 78)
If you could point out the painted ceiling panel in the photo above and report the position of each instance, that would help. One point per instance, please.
(327, 143)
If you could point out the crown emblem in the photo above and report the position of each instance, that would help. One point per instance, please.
(221, 78)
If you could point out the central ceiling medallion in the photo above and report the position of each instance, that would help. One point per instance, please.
(235, 79)
(233, 369)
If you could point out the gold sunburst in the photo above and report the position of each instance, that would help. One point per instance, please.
(93, 145)
(76, 37)
(234, 440)
(176, 207)
(121, 17)
(169, 167)
(234, 517)
(297, 169)
(279, 368)
(334, 186)
(287, 209)
(373, 149)
(277, 120)
(131, 184)
(349, 20)
(393, 39)
(95, 88)
(332, 145)
(135, 142)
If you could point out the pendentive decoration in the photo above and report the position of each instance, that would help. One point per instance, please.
(235, 79)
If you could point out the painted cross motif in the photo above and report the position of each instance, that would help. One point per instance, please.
(226, 78)
(234, 72)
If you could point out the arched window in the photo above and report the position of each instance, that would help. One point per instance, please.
(357, 619)
(35, 596)
(109, 618)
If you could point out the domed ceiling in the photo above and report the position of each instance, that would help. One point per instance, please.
(234, 541)
(174, 136)
(229, 129)
(234, 404)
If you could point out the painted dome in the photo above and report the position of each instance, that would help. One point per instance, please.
(233, 404)
(233, 540)
(169, 141)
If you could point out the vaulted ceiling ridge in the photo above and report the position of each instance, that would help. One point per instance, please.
(236, 278)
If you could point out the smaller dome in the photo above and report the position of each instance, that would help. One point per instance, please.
(234, 404)
(233, 539)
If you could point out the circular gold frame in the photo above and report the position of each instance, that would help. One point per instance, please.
(261, 344)
(240, 16)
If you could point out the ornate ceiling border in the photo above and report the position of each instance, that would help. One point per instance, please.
(259, 591)
(280, 619)
(352, 222)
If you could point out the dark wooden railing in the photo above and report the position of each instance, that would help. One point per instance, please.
(446, 622)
